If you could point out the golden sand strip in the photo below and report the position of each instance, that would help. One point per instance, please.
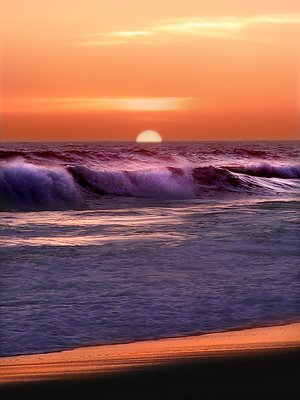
(107, 358)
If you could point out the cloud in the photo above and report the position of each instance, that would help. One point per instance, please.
(131, 34)
(227, 26)
(214, 27)
(94, 104)
(114, 37)
(95, 43)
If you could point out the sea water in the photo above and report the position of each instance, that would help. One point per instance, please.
(117, 242)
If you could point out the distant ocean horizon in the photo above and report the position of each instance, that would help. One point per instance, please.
(110, 242)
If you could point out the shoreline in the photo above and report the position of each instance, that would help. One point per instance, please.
(101, 360)
(95, 344)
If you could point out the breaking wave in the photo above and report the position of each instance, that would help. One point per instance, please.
(26, 186)
(267, 170)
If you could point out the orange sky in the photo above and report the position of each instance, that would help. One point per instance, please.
(192, 70)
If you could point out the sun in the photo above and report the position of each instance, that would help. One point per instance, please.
(149, 137)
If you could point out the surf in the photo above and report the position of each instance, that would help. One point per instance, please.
(28, 186)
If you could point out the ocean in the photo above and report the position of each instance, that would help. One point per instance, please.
(118, 242)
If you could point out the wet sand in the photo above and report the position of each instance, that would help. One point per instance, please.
(243, 364)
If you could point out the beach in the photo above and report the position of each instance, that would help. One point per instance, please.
(241, 363)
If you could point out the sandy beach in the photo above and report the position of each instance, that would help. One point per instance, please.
(215, 353)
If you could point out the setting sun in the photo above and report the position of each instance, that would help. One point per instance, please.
(149, 137)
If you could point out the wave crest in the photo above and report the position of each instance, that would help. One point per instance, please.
(164, 183)
(266, 170)
(31, 187)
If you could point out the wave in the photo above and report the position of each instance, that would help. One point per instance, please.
(27, 186)
(250, 152)
(163, 183)
(267, 170)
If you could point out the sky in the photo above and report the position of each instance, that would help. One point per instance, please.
(190, 70)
